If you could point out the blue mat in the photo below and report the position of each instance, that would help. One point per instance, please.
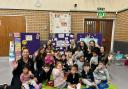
(102, 85)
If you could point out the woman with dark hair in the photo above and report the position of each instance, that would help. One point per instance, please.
(18, 67)
(72, 47)
(40, 58)
(102, 52)
(83, 47)
(93, 46)
(49, 45)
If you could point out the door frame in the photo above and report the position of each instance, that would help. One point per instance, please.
(113, 29)
(24, 19)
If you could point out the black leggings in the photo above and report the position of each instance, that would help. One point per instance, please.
(15, 83)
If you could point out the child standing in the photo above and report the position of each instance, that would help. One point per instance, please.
(58, 76)
(87, 76)
(73, 78)
(27, 78)
(101, 73)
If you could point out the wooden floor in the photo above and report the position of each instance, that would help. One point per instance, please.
(119, 74)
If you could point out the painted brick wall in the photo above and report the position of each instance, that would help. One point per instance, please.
(78, 20)
(121, 31)
(38, 21)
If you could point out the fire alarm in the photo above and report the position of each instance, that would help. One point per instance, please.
(75, 5)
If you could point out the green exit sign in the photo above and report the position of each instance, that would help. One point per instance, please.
(101, 12)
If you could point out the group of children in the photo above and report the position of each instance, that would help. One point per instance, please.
(78, 65)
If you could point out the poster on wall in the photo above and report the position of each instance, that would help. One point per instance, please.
(86, 37)
(17, 48)
(17, 44)
(11, 52)
(60, 22)
(30, 41)
(62, 40)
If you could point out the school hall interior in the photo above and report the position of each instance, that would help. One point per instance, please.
(32, 24)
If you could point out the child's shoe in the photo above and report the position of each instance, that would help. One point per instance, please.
(40, 86)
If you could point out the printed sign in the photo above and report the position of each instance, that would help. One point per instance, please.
(17, 48)
(61, 40)
(60, 23)
(11, 52)
(86, 37)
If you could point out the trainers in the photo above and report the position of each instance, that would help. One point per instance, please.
(3, 86)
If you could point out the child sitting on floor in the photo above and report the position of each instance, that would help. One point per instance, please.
(49, 59)
(87, 76)
(94, 59)
(64, 62)
(44, 74)
(80, 62)
(77, 54)
(27, 79)
(57, 56)
(69, 60)
(58, 76)
(73, 78)
(101, 73)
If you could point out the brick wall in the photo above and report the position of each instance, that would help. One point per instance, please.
(38, 21)
(78, 19)
(121, 31)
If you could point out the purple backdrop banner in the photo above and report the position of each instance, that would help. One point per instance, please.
(31, 41)
(62, 39)
(97, 37)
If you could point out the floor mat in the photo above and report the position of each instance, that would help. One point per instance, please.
(111, 86)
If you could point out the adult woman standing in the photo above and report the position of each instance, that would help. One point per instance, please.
(18, 67)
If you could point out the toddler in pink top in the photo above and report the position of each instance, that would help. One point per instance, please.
(27, 78)
(58, 76)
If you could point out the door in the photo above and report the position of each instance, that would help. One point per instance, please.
(9, 24)
(3, 37)
(103, 26)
